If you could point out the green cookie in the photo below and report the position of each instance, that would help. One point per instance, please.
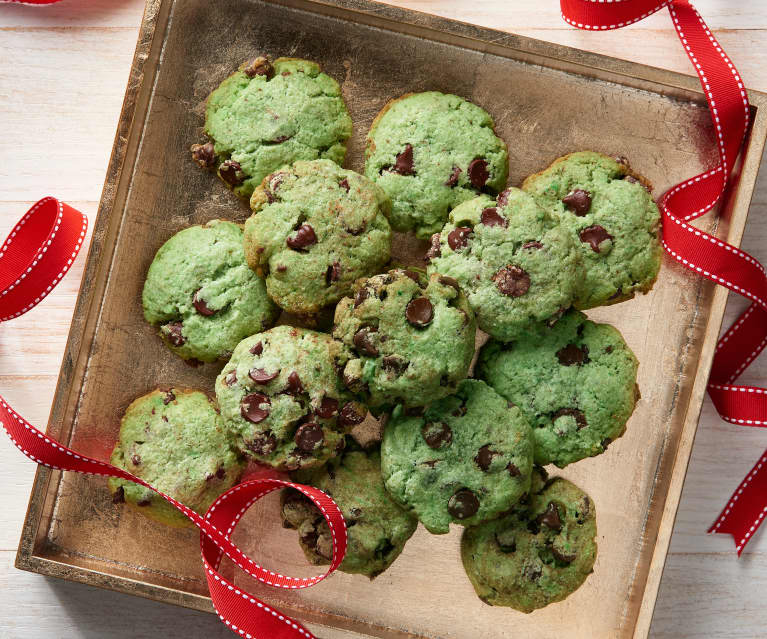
(613, 219)
(575, 382)
(466, 460)
(202, 295)
(266, 116)
(538, 554)
(176, 442)
(377, 527)
(517, 266)
(282, 398)
(411, 338)
(315, 229)
(430, 152)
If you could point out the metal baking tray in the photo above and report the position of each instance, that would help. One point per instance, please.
(546, 100)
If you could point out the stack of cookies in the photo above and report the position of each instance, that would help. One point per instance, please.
(519, 264)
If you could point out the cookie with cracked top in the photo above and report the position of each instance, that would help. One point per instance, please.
(411, 338)
(610, 214)
(518, 267)
(377, 527)
(282, 398)
(315, 229)
(575, 382)
(466, 460)
(430, 152)
(270, 114)
(174, 440)
(537, 555)
(201, 294)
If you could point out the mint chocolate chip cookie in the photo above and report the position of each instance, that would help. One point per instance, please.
(540, 553)
(315, 229)
(411, 338)
(377, 527)
(467, 459)
(175, 441)
(611, 216)
(430, 152)
(282, 398)
(268, 115)
(516, 264)
(201, 294)
(575, 382)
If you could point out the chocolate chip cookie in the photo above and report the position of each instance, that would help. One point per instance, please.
(201, 294)
(175, 441)
(430, 152)
(315, 229)
(377, 527)
(282, 398)
(467, 459)
(268, 115)
(575, 382)
(411, 338)
(516, 264)
(610, 214)
(538, 554)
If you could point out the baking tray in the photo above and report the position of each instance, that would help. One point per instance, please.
(546, 100)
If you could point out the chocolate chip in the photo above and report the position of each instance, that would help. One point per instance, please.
(351, 414)
(257, 348)
(437, 435)
(512, 281)
(260, 376)
(533, 244)
(419, 312)
(484, 458)
(259, 66)
(580, 418)
(333, 273)
(434, 248)
(478, 173)
(136, 460)
(304, 237)
(294, 384)
(463, 504)
(361, 296)
(201, 306)
(532, 572)
(309, 437)
(364, 343)
(275, 180)
(221, 473)
(251, 407)
(204, 154)
(143, 503)
(449, 281)
(453, 179)
(119, 496)
(328, 408)
(412, 275)
(513, 470)
(605, 443)
(621, 159)
(263, 443)
(563, 556)
(550, 517)
(573, 354)
(458, 238)
(503, 197)
(631, 179)
(231, 172)
(395, 364)
(594, 236)
(281, 268)
(608, 349)
(169, 397)
(173, 332)
(491, 217)
(578, 201)
(403, 163)
(344, 184)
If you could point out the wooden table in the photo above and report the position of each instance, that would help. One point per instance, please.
(62, 78)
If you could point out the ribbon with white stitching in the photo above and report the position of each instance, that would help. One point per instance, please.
(700, 252)
(33, 259)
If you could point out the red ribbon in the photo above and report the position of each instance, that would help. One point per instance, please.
(33, 259)
(706, 255)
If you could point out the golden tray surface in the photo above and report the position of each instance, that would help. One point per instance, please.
(547, 100)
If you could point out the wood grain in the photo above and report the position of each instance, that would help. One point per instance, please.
(83, 48)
